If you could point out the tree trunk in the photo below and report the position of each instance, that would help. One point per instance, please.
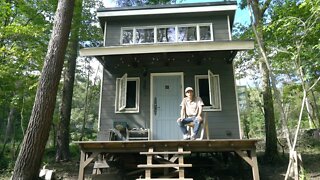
(85, 115)
(258, 11)
(310, 112)
(29, 159)
(315, 107)
(271, 150)
(9, 128)
(63, 128)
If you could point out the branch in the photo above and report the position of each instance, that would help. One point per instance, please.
(282, 50)
(254, 4)
(265, 6)
(314, 83)
(258, 39)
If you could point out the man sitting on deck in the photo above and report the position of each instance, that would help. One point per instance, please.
(191, 109)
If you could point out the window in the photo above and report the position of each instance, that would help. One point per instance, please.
(127, 36)
(188, 33)
(167, 34)
(208, 88)
(127, 94)
(205, 32)
(144, 35)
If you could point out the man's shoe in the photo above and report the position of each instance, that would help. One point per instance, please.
(193, 137)
(186, 137)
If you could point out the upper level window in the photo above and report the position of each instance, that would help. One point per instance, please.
(127, 36)
(205, 32)
(167, 34)
(127, 94)
(144, 35)
(208, 88)
(187, 33)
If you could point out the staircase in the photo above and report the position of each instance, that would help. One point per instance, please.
(160, 160)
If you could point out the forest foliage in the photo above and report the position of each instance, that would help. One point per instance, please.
(291, 32)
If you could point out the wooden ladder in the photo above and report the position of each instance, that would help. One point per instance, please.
(169, 164)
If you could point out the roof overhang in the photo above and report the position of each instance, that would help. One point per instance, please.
(166, 10)
(167, 48)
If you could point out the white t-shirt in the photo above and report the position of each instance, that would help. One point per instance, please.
(192, 107)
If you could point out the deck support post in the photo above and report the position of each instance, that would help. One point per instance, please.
(81, 166)
(251, 158)
(149, 162)
(181, 162)
(84, 161)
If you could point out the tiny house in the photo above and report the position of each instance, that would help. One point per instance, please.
(151, 53)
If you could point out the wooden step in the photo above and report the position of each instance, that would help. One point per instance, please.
(159, 153)
(163, 165)
(165, 179)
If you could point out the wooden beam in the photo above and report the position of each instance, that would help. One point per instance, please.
(252, 161)
(168, 48)
(245, 157)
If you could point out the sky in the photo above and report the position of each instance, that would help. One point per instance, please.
(242, 16)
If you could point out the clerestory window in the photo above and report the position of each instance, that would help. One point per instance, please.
(144, 35)
(187, 33)
(167, 33)
(127, 94)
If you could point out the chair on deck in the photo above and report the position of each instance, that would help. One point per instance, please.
(203, 128)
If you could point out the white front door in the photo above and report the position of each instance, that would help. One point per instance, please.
(166, 97)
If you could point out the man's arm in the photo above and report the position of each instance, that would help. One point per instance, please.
(182, 111)
(199, 113)
(200, 103)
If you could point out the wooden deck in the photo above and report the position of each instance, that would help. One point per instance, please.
(245, 148)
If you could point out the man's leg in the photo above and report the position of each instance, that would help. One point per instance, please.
(196, 127)
(182, 125)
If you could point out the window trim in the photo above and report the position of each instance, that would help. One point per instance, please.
(216, 79)
(214, 88)
(176, 26)
(121, 35)
(122, 98)
(120, 104)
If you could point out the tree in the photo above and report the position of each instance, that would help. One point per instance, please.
(29, 160)
(24, 27)
(83, 30)
(295, 27)
(258, 10)
(63, 127)
(294, 38)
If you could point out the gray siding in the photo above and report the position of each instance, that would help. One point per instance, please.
(222, 124)
(220, 26)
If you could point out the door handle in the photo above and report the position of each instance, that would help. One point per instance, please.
(155, 106)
